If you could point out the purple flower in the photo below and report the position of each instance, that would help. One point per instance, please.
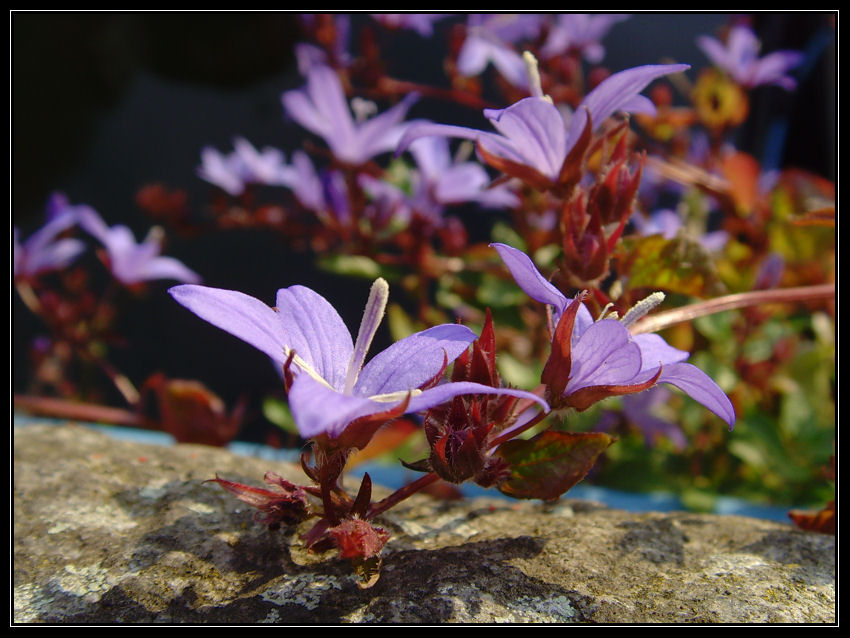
(533, 133)
(739, 58)
(422, 23)
(221, 170)
(321, 108)
(331, 390)
(246, 165)
(323, 192)
(42, 251)
(481, 48)
(580, 32)
(604, 358)
(441, 181)
(639, 409)
(131, 262)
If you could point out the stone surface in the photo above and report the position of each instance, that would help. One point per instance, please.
(109, 531)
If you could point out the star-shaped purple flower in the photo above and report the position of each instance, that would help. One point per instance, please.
(321, 108)
(441, 181)
(604, 358)
(131, 262)
(580, 32)
(739, 58)
(42, 251)
(332, 390)
(533, 133)
(245, 165)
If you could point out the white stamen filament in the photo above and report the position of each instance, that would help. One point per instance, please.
(306, 367)
(605, 315)
(642, 307)
(535, 86)
(392, 397)
(373, 314)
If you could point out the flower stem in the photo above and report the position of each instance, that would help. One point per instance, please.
(514, 432)
(73, 410)
(732, 302)
(400, 494)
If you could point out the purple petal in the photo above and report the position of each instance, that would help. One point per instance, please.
(430, 129)
(657, 352)
(432, 156)
(166, 268)
(714, 51)
(604, 355)
(482, 48)
(318, 409)
(299, 107)
(772, 67)
(316, 332)
(382, 133)
(700, 387)
(50, 257)
(461, 183)
(614, 94)
(528, 278)
(221, 171)
(536, 130)
(327, 95)
(446, 391)
(242, 316)
(412, 361)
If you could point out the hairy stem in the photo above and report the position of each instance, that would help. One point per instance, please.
(400, 494)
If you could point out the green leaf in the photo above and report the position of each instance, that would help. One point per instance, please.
(505, 234)
(277, 411)
(518, 374)
(678, 265)
(551, 463)
(498, 293)
(351, 265)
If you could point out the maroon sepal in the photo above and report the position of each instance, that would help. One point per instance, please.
(287, 504)
(556, 372)
(527, 174)
(584, 398)
(573, 166)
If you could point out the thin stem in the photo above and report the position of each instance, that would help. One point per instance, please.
(515, 432)
(73, 410)
(732, 302)
(29, 297)
(400, 494)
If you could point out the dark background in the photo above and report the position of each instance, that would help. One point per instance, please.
(105, 103)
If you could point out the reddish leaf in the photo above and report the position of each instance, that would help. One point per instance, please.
(191, 413)
(551, 463)
(822, 521)
(287, 504)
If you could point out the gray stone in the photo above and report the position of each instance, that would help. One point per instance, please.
(110, 531)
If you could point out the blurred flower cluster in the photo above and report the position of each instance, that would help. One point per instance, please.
(632, 248)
